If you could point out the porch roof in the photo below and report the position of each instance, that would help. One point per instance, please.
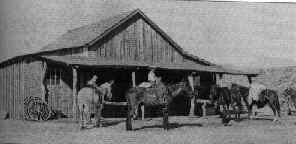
(121, 64)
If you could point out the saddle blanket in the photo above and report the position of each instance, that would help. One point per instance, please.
(145, 85)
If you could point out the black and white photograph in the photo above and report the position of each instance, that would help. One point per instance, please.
(147, 72)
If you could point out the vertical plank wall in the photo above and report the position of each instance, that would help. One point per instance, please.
(59, 94)
(11, 91)
(19, 79)
(136, 41)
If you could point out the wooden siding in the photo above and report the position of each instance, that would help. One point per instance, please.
(58, 82)
(19, 79)
(135, 41)
(11, 89)
(138, 41)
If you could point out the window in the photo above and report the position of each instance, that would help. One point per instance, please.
(84, 52)
(53, 77)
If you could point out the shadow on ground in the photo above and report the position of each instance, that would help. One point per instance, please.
(108, 123)
(171, 126)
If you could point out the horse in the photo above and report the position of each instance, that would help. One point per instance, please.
(90, 101)
(271, 98)
(290, 95)
(239, 93)
(160, 94)
(260, 96)
(221, 98)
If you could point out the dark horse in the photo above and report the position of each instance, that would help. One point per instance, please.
(260, 99)
(158, 95)
(290, 95)
(221, 98)
(239, 93)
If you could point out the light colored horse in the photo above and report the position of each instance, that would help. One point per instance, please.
(90, 101)
(260, 96)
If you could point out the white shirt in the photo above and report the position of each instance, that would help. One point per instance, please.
(151, 76)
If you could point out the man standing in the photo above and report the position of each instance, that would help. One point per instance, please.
(92, 82)
(151, 80)
(151, 76)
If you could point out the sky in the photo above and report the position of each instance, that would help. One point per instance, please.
(236, 33)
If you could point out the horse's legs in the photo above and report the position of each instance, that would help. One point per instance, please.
(250, 108)
(81, 122)
(289, 106)
(82, 114)
(227, 110)
(98, 115)
(236, 111)
(143, 111)
(129, 118)
(165, 112)
(255, 111)
(135, 112)
(221, 110)
(273, 108)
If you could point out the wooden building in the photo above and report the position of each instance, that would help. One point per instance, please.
(122, 47)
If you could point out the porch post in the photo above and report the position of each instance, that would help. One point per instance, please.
(192, 101)
(134, 78)
(250, 80)
(134, 85)
(219, 79)
(74, 93)
(43, 74)
(220, 84)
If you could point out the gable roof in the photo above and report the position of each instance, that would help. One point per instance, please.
(89, 34)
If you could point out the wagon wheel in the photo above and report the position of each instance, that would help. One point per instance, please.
(36, 109)
(45, 111)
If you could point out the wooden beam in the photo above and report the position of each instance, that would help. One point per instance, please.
(75, 109)
(115, 103)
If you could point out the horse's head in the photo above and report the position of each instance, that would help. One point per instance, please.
(108, 90)
(179, 88)
(185, 88)
(287, 91)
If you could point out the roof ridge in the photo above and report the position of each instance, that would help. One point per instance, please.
(104, 19)
(90, 25)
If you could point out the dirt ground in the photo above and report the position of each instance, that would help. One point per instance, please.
(197, 130)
